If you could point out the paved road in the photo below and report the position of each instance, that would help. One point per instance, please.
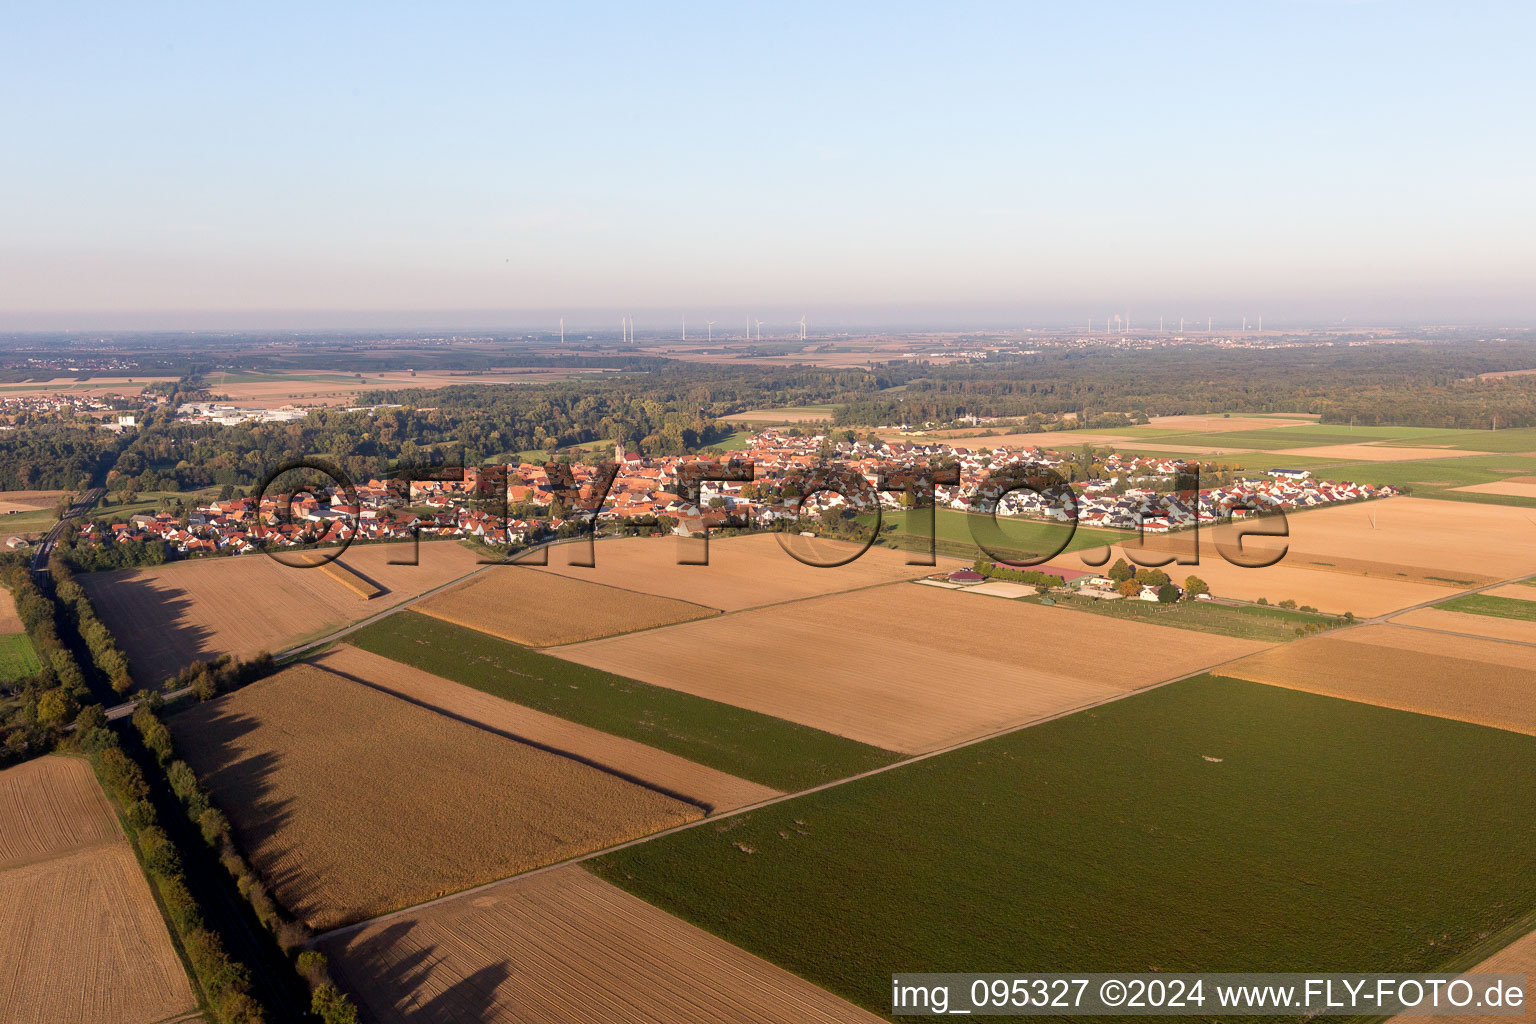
(44, 549)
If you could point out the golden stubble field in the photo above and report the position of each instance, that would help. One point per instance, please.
(694, 782)
(544, 608)
(352, 802)
(80, 937)
(1369, 558)
(908, 667)
(28, 501)
(1491, 627)
(169, 616)
(746, 571)
(565, 946)
(1473, 680)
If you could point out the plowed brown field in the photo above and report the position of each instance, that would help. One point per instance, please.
(544, 608)
(907, 667)
(566, 946)
(743, 572)
(170, 616)
(49, 806)
(690, 780)
(352, 802)
(80, 937)
(1482, 681)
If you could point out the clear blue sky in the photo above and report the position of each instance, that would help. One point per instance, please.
(274, 163)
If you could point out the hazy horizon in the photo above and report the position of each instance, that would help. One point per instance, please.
(1307, 161)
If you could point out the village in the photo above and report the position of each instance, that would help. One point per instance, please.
(650, 493)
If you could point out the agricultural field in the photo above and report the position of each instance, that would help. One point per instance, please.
(738, 742)
(745, 571)
(400, 806)
(80, 386)
(1454, 544)
(342, 387)
(1433, 673)
(906, 667)
(688, 780)
(602, 955)
(1519, 957)
(17, 657)
(1372, 452)
(1495, 627)
(1183, 828)
(1015, 538)
(172, 615)
(80, 936)
(1248, 621)
(542, 608)
(19, 502)
(1323, 586)
(1479, 478)
(788, 414)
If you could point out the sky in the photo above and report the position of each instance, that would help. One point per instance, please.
(205, 165)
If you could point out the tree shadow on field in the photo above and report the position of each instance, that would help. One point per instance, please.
(154, 623)
(388, 975)
(242, 786)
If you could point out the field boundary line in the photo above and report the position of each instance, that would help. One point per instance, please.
(916, 758)
(515, 738)
(761, 804)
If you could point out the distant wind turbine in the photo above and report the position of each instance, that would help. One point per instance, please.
(802, 326)
(709, 330)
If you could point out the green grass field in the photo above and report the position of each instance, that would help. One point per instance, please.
(1438, 478)
(1185, 828)
(1248, 621)
(1486, 604)
(18, 660)
(21, 524)
(1026, 538)
(744, 743)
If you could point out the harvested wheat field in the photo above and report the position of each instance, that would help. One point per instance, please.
(1518, 591)
(906, 667)
(566, 946)
(1492, 627)
(714, 790)
(542, 608)
(1455, 541)
(1482, 681)
(49, 806)
(28, 501)
(80, 937)
(352, 802)
(1515, 486)
(1519, 957)
(743, 572)
(167, 617)
(1204, 424)
(1369, 452)
(1328, 589)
